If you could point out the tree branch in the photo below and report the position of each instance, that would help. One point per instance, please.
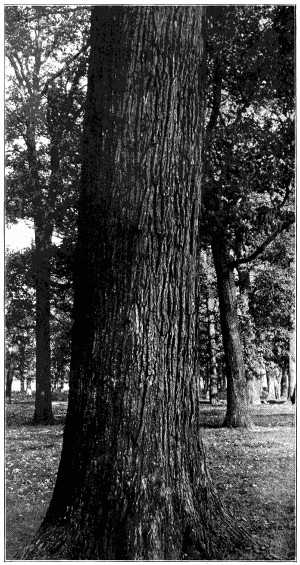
(62, 70)
(18, 73)
(217, 90)
(24, 76)
(282, 226)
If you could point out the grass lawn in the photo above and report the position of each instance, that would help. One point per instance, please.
(254, 471)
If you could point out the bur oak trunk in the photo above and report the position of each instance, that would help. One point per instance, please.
(132, 482)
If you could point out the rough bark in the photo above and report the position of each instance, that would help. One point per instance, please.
(237, 394)
(132, 482)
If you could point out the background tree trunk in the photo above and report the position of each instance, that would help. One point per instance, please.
(248, 337)
(43, 406)
(284, 383)
(237, 397)
(292, 359)
(263, 373)
(22, 383)
(43, 233)
(210, 302)
(273, 382)
(132, 482)
(9, 380)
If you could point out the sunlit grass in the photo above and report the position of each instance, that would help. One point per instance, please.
(254, 471)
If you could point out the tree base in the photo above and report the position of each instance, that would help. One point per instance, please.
(238, 420)
(185, 521)
(44, 419)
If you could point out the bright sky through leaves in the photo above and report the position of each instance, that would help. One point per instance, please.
(19, 236)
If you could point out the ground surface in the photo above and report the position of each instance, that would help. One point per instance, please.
(254, 471)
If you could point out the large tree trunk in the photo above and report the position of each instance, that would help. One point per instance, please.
(132, 482)
(237, 395)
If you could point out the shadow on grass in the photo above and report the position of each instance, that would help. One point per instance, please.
(273, 421)
(20, 414)
(213, 418)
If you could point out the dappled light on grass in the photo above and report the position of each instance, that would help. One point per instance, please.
(253, 470)
(32, 458)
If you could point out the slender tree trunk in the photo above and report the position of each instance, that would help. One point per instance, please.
(273, 382)
(237, 396)
(22, 383)
(210, 301)
(28, 387)
(43, 406)
(263, 371)
(253, 385)
(43, 232)
(284, 383)
(248, 338)
(9, 380)
(43, 237)
(292, 359)
(132, 482)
